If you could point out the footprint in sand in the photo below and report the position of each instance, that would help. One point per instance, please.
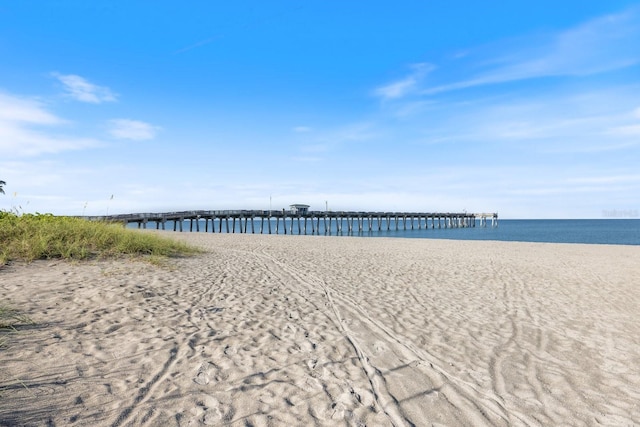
(362, 396)
(379, 347)
(316, 370)
(202, 376)
(336, 411)
(208, 372)
(214, 411)
(351, 398)
(230, 351)
(339, 408)
(208, 411)
(295, 315)
(212, 416)
(289, 331)
(312, 363)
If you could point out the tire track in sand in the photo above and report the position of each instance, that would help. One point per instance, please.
(383, 398)
(129, 411)
(455, 391)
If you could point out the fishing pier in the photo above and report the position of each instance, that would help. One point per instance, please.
(301, 222)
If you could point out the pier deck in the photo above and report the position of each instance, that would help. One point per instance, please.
(259, 221)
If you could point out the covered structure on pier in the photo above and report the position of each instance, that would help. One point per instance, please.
(299, 209)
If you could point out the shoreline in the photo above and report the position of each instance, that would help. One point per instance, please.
(622, 231)
(274, 329)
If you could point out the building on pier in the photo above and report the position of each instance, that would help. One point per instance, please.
(299, 209)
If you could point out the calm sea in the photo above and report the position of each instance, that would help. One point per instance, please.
(598, 231)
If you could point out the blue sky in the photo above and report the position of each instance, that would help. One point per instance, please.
(528, 109)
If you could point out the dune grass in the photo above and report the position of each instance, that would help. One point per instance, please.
(10, 317)
(30, 237)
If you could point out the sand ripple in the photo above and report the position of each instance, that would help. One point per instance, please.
(297, 330)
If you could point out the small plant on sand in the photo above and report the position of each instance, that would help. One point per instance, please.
(30, 237)
(9, 318)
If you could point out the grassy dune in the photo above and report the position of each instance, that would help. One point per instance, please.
(31, 237)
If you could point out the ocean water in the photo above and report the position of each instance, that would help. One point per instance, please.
(594, 231)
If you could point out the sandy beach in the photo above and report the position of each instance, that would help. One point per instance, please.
(271, 330)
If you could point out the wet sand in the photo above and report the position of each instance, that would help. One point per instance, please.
(312, 330)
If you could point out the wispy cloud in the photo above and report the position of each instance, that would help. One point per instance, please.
(132, 129)
(354, 132)
(307, 159)
(632, 130)
(22, 134)
(82, 90)
(198, 44)
(609, 179)
(24, 110)
(603, 44)
(406, 85)
(317, 145)
(557, 121)
(302, 129)
(409, 109)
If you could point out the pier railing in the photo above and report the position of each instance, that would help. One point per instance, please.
(343, 221)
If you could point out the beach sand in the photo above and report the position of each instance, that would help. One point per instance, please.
(328, 331)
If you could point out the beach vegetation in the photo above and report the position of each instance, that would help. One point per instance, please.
(30, 237)
(10, 317)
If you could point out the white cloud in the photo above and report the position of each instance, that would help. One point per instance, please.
(632, 130)
(132, 129)
(582, 122)
(59, 186)
(16, 141)
(354, 132)
(21, 120)
(409, 109)
(82, 90)
(15, 109)
(302, 129)
(603, 44)
(405, 86)
(612, 179)
(396, 89)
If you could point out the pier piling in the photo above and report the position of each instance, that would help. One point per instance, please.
(438, 220)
